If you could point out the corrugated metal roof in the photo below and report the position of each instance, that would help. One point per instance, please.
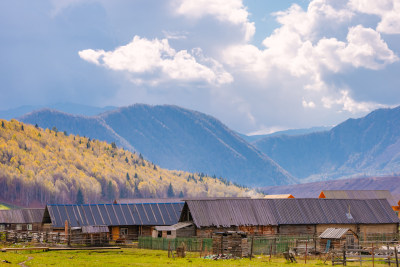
(334, 233)
(94, 229)
(114, 214)
(359, 194)
(147, 200)
(235, 212)
(21, 216)
(173, 227)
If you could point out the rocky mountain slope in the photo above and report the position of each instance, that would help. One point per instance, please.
(173, 138)
(367, 146)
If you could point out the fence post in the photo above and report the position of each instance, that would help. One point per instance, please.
(397, 257)
(373, 255)
(344, 256)
(251, 248)
(305, 256)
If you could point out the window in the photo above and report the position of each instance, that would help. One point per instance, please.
(159, 234)
(169, 233)
(2, 227)
(18, 227)
(123, 231)
(29, 227)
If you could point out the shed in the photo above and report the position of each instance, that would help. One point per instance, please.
(21, 219)
(310, 216)
(181, 229)
(126, 221)
(335, 238)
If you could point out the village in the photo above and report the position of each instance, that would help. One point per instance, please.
(338, 226)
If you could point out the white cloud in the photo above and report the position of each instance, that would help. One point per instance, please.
(161, 63)
(303, 51)
(308, 104)
(232, 11)
(346, 103)
(387, 10)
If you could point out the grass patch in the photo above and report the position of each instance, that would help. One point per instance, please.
(142, 257)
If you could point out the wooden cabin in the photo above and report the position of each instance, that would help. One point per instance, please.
(337, 238)
(268, 217)
(21, 219)
(125, 221)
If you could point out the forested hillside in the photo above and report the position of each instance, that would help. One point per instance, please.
(40, 166)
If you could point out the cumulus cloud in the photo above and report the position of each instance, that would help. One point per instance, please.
(346, 103)
(305, 51)
(387, 10)
(232, 11)
(160, 62)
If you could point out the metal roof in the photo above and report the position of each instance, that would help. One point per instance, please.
(147, 200)
(359, 194)
(21, 216)
(334, 233)
(176, 226)
(113, 214)
(235, 212)
(94, 229)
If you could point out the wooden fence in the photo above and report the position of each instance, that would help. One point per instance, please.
(373, 254)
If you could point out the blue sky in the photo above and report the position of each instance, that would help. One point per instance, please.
(257, 65)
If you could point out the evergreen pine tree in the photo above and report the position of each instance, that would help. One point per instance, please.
(181, 194)
(22, 127)
(79, 197)
(110, 191)
(127, 177)
(36, 126)
(137, 193)
(170, 192)
(2, 124)
(126, 160)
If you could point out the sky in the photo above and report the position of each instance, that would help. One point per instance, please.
(257, 65)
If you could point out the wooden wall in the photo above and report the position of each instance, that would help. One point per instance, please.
(297, 229)
(188, 231)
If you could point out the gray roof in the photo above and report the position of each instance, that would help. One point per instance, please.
(334, 233)
(113, 214)
(94, 229)
(147, 200)
(176, 226)
(21, 216)
(360, 194)
(235, 212)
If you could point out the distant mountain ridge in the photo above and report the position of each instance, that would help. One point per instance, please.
(391, 183)
(254, 138)
(72, 108)
(367, 146)
(173, 138)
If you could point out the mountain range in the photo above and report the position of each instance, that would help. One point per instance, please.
(367, 146)
(312, 190)
(178, 138)
(173, 138)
